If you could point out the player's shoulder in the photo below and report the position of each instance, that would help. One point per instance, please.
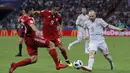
(87, 21)
(86, 15)
(99, 19)
(46, 11)
(80, 15)
(22, 18)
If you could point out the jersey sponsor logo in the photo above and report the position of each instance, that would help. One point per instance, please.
(73, 32)
(3, 33)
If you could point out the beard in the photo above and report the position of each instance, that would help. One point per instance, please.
(92, 19)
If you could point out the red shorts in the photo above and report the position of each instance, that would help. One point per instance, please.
(32, 44)
(54, 38)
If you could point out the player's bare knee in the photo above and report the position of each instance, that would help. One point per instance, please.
(20, 40)
(34, 58)
(60, 47)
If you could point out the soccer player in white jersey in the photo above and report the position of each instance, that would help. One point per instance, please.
(79, 22)
(96, 39)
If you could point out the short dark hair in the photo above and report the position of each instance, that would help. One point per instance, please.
(28, 9)
(83, 6)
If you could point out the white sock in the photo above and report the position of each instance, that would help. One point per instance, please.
(75, 42)
(91, 61)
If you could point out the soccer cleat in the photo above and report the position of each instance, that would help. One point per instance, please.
(112, 66)
(86, 68)
(67, 61)
(12, 67)
(60, 66)
(18, 55)
(69, 47)
(70, 65)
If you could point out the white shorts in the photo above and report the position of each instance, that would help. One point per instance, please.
(98, 45)
(81, 35)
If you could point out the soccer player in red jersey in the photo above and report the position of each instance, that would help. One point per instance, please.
(34, 39)
(52, 18)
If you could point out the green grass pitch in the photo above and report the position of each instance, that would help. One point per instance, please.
(119, 48)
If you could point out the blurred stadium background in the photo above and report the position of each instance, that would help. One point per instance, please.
(115, 12)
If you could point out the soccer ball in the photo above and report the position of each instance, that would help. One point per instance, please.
(77, 64)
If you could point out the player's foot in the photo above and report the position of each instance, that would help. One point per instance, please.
(86, 68)
(12, 67)
(60, 66)
(69, 47)
(87, 51)
(112, 66)
(18, 55)
(70, 65)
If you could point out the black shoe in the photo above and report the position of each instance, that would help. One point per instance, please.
(67, 61)
(18, 55)
(112, 66)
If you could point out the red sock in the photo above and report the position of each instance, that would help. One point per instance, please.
(23, 62)
(64, 54)
(54, 55)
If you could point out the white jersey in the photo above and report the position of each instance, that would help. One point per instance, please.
(96, 28)
(80, 21)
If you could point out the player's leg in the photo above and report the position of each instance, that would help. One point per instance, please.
(79, 39)
(58, 43)
(87, 41)
(92, 50)
(32, 51)
(54, 55)
(20, 47)
(51, 49)
(104, 49)
(87, 46)
(20, 42)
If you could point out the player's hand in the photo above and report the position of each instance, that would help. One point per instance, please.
(86, 38)
(60, 33)
(84, 27)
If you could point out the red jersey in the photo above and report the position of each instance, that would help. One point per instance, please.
(26, 21)
(50, 24)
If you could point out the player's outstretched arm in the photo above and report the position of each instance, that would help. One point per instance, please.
(38, 12)
(38, 33)
(116, 28)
